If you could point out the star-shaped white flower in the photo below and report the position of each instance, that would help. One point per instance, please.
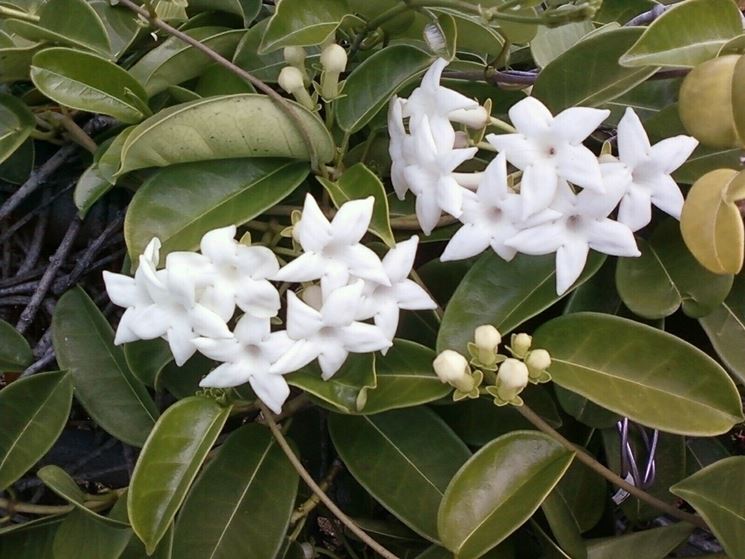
(170, 310)
(583, 226)
(650, 168)
(247, 357)
(431, 176)
(400, 147)
(442, 105)
(332, 251)
(548, 149)
(238, 275)
(382, 302)
(491, 216)
(328, 334)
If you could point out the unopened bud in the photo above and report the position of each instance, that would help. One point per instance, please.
(487, 340)
(473, 118)
(452, 368)
(512, 378)
(334, 62)
(537, 361)
(520, 344)
(291, 80)
(295, 57)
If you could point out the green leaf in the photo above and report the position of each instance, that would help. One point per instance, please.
(585, 494)
(218, 80)
(111, 158)
(17, 168)
(168, 464)
(147, 359)
(183, 381)
(297, 23)
(702, 452)
(121, 27)
(504, 294)
(246, 9)
(716, 494)
(587, 74)
(563, 525)
(347, 390)
(550, 42)
(59, 481)
(498, 489)
(15, 353)
(667, 276)
(656, 543)
(650, 376)
(16, 61)
(360, 182)
(30, 540)
(585, 411)
(89, 83)
(371, 84)
(622, 10)
(725, 327)
(473, 36)
(243, 125)
(179, 204)
(241, 504)
(91, 186)
(67, 22)
(35, 411)
(174, 61)
(687, 34)
(504, 551)
(112, 395)
(404, 378)
(385, 454)
(82, 535)
(16, 123)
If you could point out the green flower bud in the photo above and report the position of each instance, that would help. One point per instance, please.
(487, 339)
(520, 344)
(537, 361)
(452, 368)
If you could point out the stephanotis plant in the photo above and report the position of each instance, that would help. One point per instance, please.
(469, 270)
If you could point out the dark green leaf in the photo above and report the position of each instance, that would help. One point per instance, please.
(297, 23)
(641, 372)
(585, 494)
(246, 9)
(15, 353)
(82, 535)
(35, 411)
(30, 540)
(551, 42)
(656, 543)
(17, 168)
(147, 358)
(563, 525)
(121, 27)
(84, 342)
(16, 61)
(16, 123)
(168, 464)
(91, 186)
(218, 80)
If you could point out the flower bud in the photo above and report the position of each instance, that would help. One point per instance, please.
(537, 361)
(334, 61)
(520, 344)
(291, 80)
(295, 57)
(452, 368)
(473, 118)
(512, 378)
(487, 337)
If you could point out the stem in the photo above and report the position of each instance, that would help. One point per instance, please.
(312, 502)
(295, 461)
(611, 476)
(28, 508)
(241, 73)
(5, 11)
(502, 125)
(77, 134)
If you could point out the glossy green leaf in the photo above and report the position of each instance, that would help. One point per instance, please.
(174, 61)
(474, 36)
(667, 276)
(498, 489)
(16, 61)
(110, 160)
(179, 204)
(585, 411)
(504, 294)
(182, 382)
(35, 411)
(147, 359)
(89, 83)
(716, 494)
(504, 551)
(385, 454)
(218, 80)
(246, 9)
(725, 327)
(30, 540)
(112, 395)
(404, 378)
(702, 452)
(91, 186)
(297, 23)
(360, 182)
(244, 125)
(550, 42)
(621, 10)
(135, 548)
(585, 494)
(241, 505)
(67, 22)
(347, 390)
(656, 543)
(15, 353)
(121, 27)
(82, 535)
(587, 74)
(168, 464)
(16, 123)
(563, 525)
(686, 35)
(650, 376)
(371, 84)
(17, 168)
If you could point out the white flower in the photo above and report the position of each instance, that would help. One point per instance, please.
(328, 334)
(549, 149)
(650, 168)
(383, 302)
(442, 105)
(490, 216)
(169, 310)
(431, 176)
(247, 357)
(333, 252)
(400, 147)
(583, 226)
(239, 275)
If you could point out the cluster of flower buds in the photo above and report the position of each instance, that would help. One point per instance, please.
(505, 377)
(559, 200)
(294, 78)
(349, 303)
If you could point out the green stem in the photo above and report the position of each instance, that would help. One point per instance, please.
(308, 479)
(502, 125)
(6, 11)
(584, 457)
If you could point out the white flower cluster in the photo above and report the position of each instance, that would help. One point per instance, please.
(565, 193)
(191, 300)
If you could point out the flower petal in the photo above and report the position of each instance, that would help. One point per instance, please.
(226, 375)
(298, 356)
(671, 153)
(542, 239)
(331, 358)
(313, 231)
(121, 289)
(306, 267)
(580, 166)
(251, 329)
(399, 260)
(411, 296)
(225, 350)
(219, 245)
(259, 298)
(364, 263)
(576, 123)
(149, 322)
(427, 211)
(207, 323)
(519, 150)
(666, 195)
(538, 187)
(359, 337)
(635, 210)
(570, 261)
(450, 196)
(386, 319)
(467, 241)
(530, 117)
(256, 261)
(352, 220)
(180, 336)
(340, 306)
(611, 237)
(303, 321)
(633, 143)
(271, 389)
(276, 345)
